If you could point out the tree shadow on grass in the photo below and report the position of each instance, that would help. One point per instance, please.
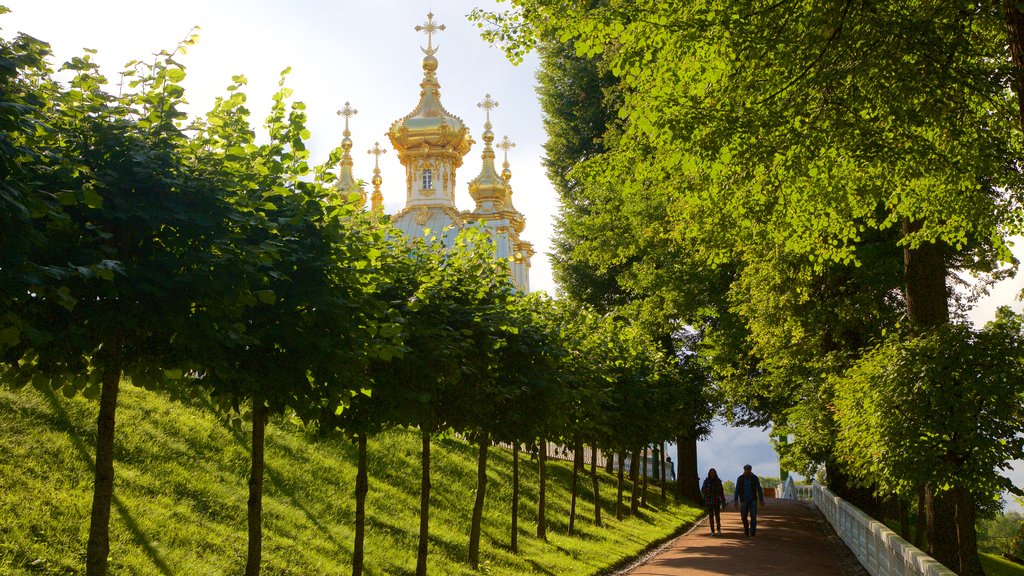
(280, 486)
(133, 527)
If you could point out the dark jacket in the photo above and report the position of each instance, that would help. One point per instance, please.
(713, 492)
(740, 485)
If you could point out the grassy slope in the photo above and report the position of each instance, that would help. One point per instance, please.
(996, 566)
(180, 498)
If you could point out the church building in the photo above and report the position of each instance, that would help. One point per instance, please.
(431, 143)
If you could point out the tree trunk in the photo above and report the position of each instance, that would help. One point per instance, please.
(609, 461)
(542, 523)
(927, 298)
(903, 511)
(921, 520)
(514, 540)
(664, 471)
(421, 553)
(656, 461)
(940, 509)
(621, 485)
(597, 485)
(1015, 33)
(634, 476)
(362, 487)
(687, 477)
(577, 463)
(924, 278)
(98, 547)
(970, 563)
(259, 426)
(478, 506)
(643, 470)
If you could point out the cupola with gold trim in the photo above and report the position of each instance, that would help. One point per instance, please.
(430, 138)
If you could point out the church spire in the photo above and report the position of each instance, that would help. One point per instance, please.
(505, 145)
(346, 183)
(377, 199)
(488, 189)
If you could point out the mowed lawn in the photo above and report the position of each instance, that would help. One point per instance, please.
(181, 490)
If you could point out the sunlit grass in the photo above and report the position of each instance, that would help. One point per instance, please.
(181, 499)
(997, 566)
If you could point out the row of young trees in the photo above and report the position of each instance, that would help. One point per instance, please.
(189, 255)
(805, 184)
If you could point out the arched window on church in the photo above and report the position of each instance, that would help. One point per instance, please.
(428, 180)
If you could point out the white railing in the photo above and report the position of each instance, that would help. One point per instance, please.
(880, 550)
(794, 491)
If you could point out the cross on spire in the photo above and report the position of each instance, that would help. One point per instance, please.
(505, 145)
(430, 27)
(376, 151)
(348, 111)
(488, 104)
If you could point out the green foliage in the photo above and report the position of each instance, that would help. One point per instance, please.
(886, 407)
(182, 498)
(999, 535)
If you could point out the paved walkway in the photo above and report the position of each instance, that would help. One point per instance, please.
(790, 540)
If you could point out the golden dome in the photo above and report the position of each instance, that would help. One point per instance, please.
(429, 123)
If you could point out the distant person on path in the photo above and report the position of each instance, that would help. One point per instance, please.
(714, 499)
(749, 494)
(669, 467)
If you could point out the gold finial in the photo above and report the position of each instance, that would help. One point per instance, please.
(430, 27)
(377, 199)
(376, 151)
(505, 145)
(488, 104)
(348, 111)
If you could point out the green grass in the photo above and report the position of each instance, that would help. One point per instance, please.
(180, 499)
(997, 566)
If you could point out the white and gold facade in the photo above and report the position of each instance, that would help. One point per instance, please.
(431, 143)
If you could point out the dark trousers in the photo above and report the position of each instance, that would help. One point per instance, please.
(749, 508)
(715, 516)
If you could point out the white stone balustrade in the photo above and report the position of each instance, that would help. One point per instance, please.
(880, 550)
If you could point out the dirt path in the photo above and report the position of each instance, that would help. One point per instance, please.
(791, 540)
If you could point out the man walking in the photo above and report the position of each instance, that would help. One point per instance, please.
(749, 494)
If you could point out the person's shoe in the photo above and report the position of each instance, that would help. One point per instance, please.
(746, 532)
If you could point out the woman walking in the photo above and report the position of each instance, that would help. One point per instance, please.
(714, 498)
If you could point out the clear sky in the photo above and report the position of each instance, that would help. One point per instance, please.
(365, 52)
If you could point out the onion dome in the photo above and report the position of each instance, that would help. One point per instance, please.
(429, 123)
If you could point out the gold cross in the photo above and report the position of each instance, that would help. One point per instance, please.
(430, 27)
(505, 145)
(376, 151)
(488, 104)
(348, 111)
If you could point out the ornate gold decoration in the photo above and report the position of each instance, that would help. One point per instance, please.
(422, 216)
(429, 28)
(348, 111)
(346, 183)
(488, 104)
(505, 145)
(377, 200)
